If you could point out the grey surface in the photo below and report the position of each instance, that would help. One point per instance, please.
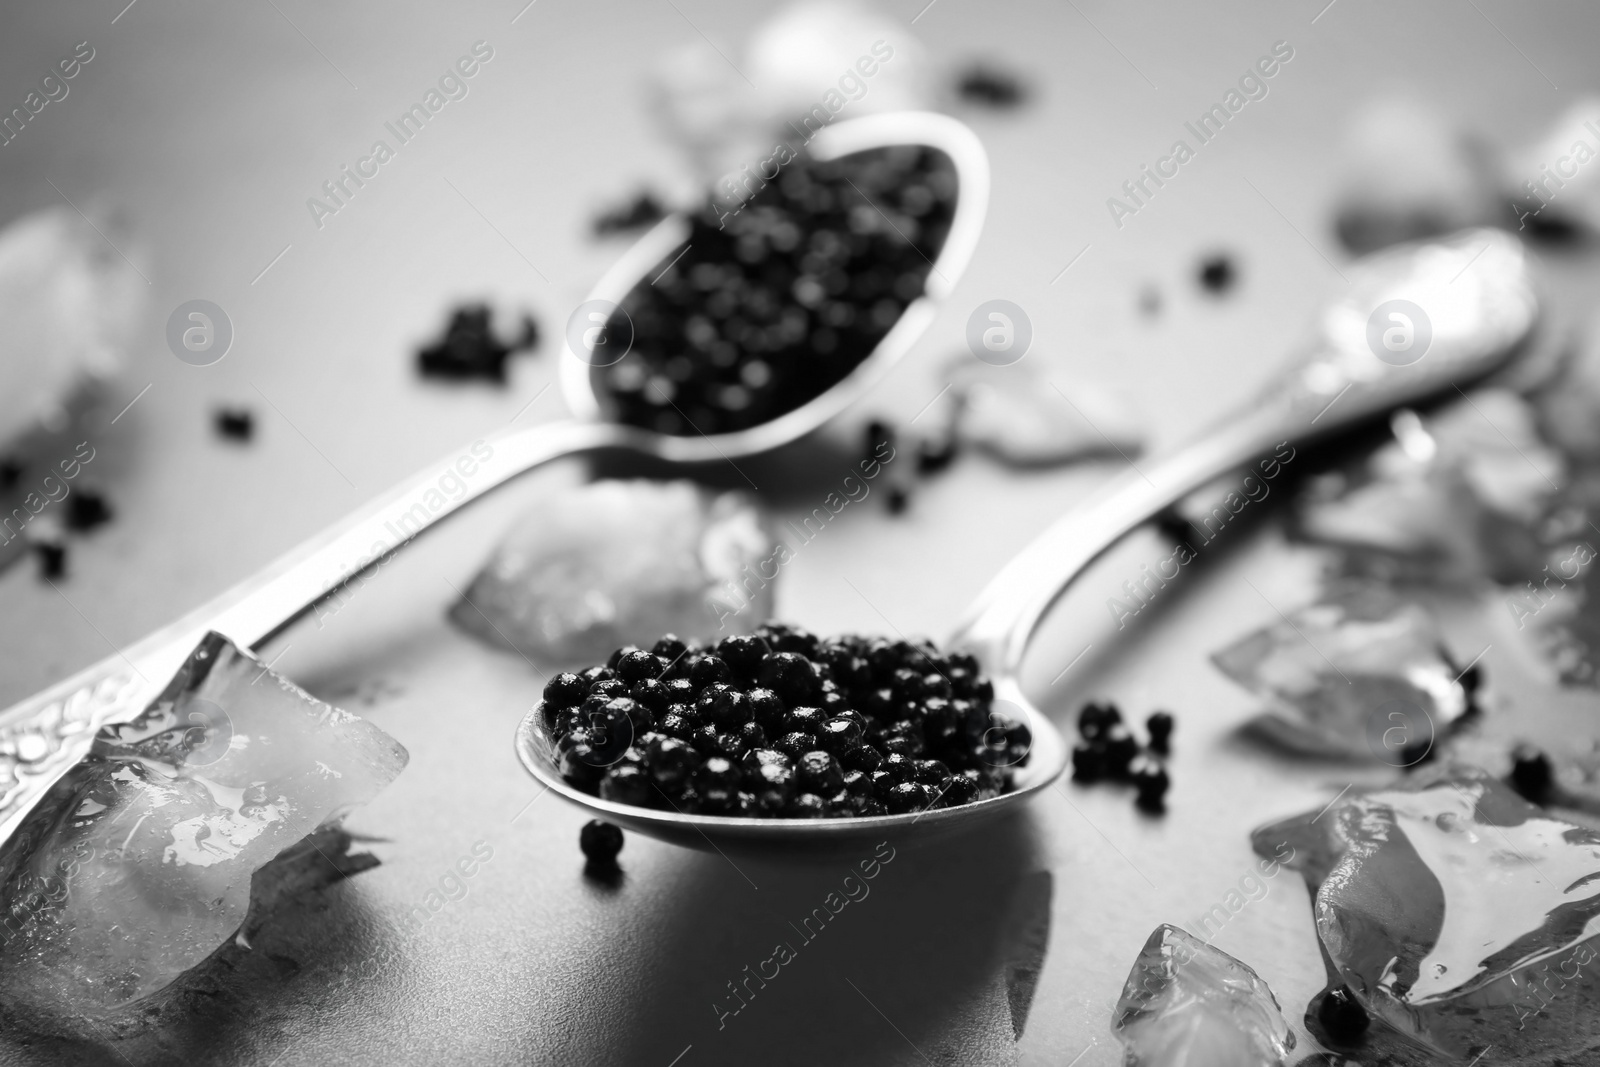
(212, 125)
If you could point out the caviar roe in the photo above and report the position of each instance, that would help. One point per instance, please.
(773, 303)
(1107, 751)
(780, 724)
(601, 842)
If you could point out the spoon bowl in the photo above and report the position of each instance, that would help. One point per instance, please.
(1047, 757)
(648, 257)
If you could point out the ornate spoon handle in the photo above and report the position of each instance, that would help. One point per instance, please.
(1001, 622)
(43, 736)
(1468, 302)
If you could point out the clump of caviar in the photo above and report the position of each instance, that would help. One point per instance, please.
(236, 424)
(641, 211)
(1107, 751)
(781, 724)
(471, 349)
(773, 303)
(991, 87)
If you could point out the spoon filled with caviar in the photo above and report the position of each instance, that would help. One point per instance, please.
(780, 738)
(722, 333)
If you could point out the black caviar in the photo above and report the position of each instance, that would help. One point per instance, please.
(600, 842)
(1217, 273)
(52, 558)
(87, 509)
(470, 347)
(1159, 725)
(1342, 1016)
(1107, 751)
(1149, 777)
(782, 724)
(1531, 774)
(236, 424)
(990, 86)
(635, 214)
(934, 455)
(773, 302)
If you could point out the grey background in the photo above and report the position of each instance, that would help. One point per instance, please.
(211, 125)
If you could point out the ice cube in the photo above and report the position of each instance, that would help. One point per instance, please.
(70, 304)
(138, 863)
(1022, 418)
(1308, 843)
(1410, 172)
(1361, 673)
(1569, 409)
(1463, 916)
(796, 54)
(623, 562)
(1559, 608)
(728, 119)
(703, 105)
(1493, 439)
(1188, 1004)
(1455, 496)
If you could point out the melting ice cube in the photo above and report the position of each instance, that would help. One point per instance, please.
(1569, 407)
(1454, 497)
(1358, 673)
(1187, 1004)
(138, 863)
(1462, 915)
(623, 562)
(1019, 416)
(70, 304)
(1562, 616)
(1409, 172)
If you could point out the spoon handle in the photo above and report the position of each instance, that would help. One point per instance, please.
(1482, 300)
(1000, 623)
(45, 734)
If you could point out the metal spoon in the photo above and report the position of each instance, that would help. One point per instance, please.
(1474, 297)
(44, 735)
